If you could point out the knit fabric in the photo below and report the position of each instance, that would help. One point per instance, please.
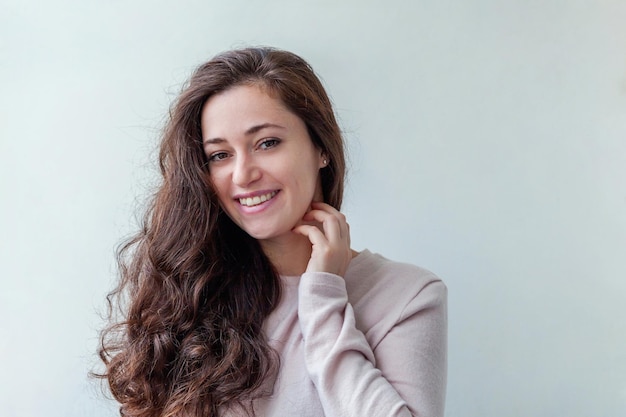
(371, 344)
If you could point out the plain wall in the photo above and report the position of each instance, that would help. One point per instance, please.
(487, 144)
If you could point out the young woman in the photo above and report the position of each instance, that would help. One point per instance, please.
(241, 294)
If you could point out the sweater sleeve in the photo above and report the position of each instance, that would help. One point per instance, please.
(404, 375)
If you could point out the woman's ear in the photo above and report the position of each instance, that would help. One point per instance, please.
(323, 160)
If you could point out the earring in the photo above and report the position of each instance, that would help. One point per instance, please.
(325, 161)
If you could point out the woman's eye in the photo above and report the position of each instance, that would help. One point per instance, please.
(269, 143)
(218, 156)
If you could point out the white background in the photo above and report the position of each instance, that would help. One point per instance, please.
(487, 143)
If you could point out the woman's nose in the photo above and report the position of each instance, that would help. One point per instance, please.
(245, 171)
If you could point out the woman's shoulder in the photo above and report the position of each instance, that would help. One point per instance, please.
(369, 271)
(383, 292)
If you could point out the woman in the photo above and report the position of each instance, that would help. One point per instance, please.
(242, 294)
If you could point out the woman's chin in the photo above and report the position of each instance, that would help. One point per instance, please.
(276, 236)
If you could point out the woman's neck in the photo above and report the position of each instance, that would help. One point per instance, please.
(289, 254)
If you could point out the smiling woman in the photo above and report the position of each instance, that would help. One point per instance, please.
(244, 296)
(262, 162)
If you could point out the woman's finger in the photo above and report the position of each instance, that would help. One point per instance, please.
(333, 222)
(330, 224)
(330, 238)
(313, 233)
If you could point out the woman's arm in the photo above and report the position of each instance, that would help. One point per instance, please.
(404, 376)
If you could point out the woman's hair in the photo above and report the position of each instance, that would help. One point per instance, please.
(194, 288)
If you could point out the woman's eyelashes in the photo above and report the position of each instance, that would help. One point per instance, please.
(269, 143)
(263, 145)
(218, 156)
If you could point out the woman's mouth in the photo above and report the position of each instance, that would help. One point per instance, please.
(257, 199)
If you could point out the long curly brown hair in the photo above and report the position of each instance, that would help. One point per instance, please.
(194, 288)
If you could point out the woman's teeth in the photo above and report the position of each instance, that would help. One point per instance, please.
(255, 201)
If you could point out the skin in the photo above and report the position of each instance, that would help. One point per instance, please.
(257, 147)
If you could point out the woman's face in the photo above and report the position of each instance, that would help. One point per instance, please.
(263, 164)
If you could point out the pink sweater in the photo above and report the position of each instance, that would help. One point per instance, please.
(372, 344)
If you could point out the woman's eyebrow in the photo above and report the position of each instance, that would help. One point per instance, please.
(213, 141)
(252, 130)
(255, 129)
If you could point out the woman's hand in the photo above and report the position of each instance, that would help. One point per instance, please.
(330, 240)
